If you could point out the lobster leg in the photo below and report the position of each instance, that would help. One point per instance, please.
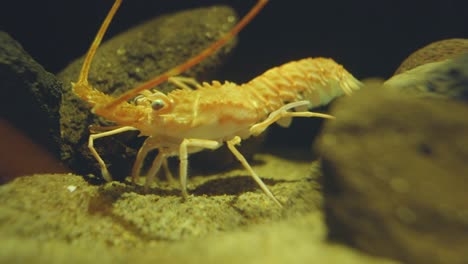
(105, 173)
(141, 155)
(231, 145)
(183, 156)
(155, 166)
(167, 171)
(160, 160)
(258, 128)
(186, 83)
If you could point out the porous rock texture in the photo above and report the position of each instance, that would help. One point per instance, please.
(30, 95)
(395, 176)
(63, 219)
(29, 119)
(436, 51)
(443, 79)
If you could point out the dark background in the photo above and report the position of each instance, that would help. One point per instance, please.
(369, 37)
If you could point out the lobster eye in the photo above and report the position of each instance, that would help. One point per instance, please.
(158, 104)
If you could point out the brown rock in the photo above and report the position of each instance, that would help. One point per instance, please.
(436, 51)
(31, 95)
(29, 120)
(444, 79)
(395, 176)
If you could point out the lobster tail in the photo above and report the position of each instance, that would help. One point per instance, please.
(317, 80)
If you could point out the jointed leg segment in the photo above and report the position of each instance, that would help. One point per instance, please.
(231, 145)
(155, 166)
(211, 144)
(258, 128)
(160, 160)
(167, 171)
(92, 137)
(186, 83)
(183, 156)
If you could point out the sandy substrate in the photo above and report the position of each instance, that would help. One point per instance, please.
(62, 218)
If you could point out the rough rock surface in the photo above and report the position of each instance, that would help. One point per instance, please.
(448, 79)
(62, 218)
(434, 52)
(131, 58)
(395, 176)
(30, 95)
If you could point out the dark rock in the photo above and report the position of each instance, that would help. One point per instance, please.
(395, 176)
(434, 52)
(447, 79)
(128, 59)
(31, 95)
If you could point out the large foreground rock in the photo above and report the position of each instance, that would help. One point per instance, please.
(396, 176)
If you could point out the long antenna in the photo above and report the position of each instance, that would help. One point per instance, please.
(194, 60)
(97, 40)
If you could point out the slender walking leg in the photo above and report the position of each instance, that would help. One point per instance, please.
(258, 128)
(167, 171)
(105, 173)
(184, 82)
(183, 156)
(155, 166)
(231, 145)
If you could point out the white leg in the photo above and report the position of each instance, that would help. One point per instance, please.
(160, 160)
(92, 137)
(140, 158)
(184, 82)
(155, 166)
(258, 128)
(231, 145)
(183, 156)
(167, 171)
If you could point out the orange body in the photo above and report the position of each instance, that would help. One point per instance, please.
(219, 112)
(185, 121)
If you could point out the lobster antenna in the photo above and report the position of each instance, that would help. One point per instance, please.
(192, 61)
(97, 40)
